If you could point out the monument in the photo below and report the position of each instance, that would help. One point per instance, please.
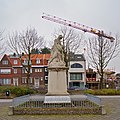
(57, 84)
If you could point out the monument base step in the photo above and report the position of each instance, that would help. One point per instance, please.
(57, 94)
(57, 99)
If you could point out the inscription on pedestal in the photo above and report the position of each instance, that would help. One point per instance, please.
(57, 99)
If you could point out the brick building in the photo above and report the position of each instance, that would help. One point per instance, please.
(12, 71)
(92, 82)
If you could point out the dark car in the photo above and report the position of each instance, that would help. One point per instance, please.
(77, 88)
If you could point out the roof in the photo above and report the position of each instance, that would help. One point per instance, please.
(77, 57)
(38, 56)
(43, 57)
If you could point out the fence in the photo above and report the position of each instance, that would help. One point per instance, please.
(94, 99)
(28, 101)
(20, 100)
(30, 105)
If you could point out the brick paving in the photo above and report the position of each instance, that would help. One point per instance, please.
(112, 106)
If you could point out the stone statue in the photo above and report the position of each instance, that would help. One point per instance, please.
(57, 54)
(57, 83)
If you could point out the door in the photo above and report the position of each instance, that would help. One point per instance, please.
(15, 81)
(36, 82)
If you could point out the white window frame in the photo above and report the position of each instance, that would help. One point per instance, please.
(30, 70)
(15, 81)
(5, 62)
(25, 71)
(30, 80)
(15, 71)
(38, 69)
(1, 81)
(46, 77)
(15, 62)
(6, 81)
(25, 61)
(46, 69)
(76, 76)
(24, 80)
(38, 61)
(5, 71)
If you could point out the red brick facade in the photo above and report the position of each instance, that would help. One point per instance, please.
(12, 72)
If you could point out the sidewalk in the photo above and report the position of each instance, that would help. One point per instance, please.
(72, 96)
(116, 96)
(5, 100)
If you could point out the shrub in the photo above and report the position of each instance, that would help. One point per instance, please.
(103, 92)
(90, 91)
(16, 90)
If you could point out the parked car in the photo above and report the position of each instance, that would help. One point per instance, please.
(117, 88)
(77, 88)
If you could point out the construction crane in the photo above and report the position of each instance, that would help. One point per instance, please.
(78, 26)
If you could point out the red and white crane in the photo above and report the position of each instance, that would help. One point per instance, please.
(78, 26)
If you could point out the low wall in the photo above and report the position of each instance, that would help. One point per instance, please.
(54, 111)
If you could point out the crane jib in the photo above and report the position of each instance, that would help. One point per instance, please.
(78, 26)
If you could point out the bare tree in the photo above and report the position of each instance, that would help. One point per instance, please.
(100, 52)
(2, 45)
(71, 41)
(25, 42)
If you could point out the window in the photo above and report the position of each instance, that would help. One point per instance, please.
(38, 61)
(24, 80)
(24, 70)
(38, 70)
(15, 62)
(15, 71)
(75, 76)
(30, 70)
(46, 80)
(30, 80)
(46, 77)
(46, 69)
(5, 71)
(6, 81)
(5, 62)
(0, 81)
(26, 62)
(76, 65)
(15, 81)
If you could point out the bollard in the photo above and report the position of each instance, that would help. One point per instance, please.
(103, 110)
(10, 112)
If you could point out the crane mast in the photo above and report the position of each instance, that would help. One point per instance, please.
(78, 26)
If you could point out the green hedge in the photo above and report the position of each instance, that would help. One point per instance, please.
(103, 92)
(16, 90)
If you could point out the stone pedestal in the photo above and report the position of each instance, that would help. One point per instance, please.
(57, 84)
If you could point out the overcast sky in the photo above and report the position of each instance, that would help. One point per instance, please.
(100, 14)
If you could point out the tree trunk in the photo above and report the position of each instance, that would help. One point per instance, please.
(101, 82)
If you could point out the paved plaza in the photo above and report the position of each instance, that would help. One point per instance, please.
(112, 105)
